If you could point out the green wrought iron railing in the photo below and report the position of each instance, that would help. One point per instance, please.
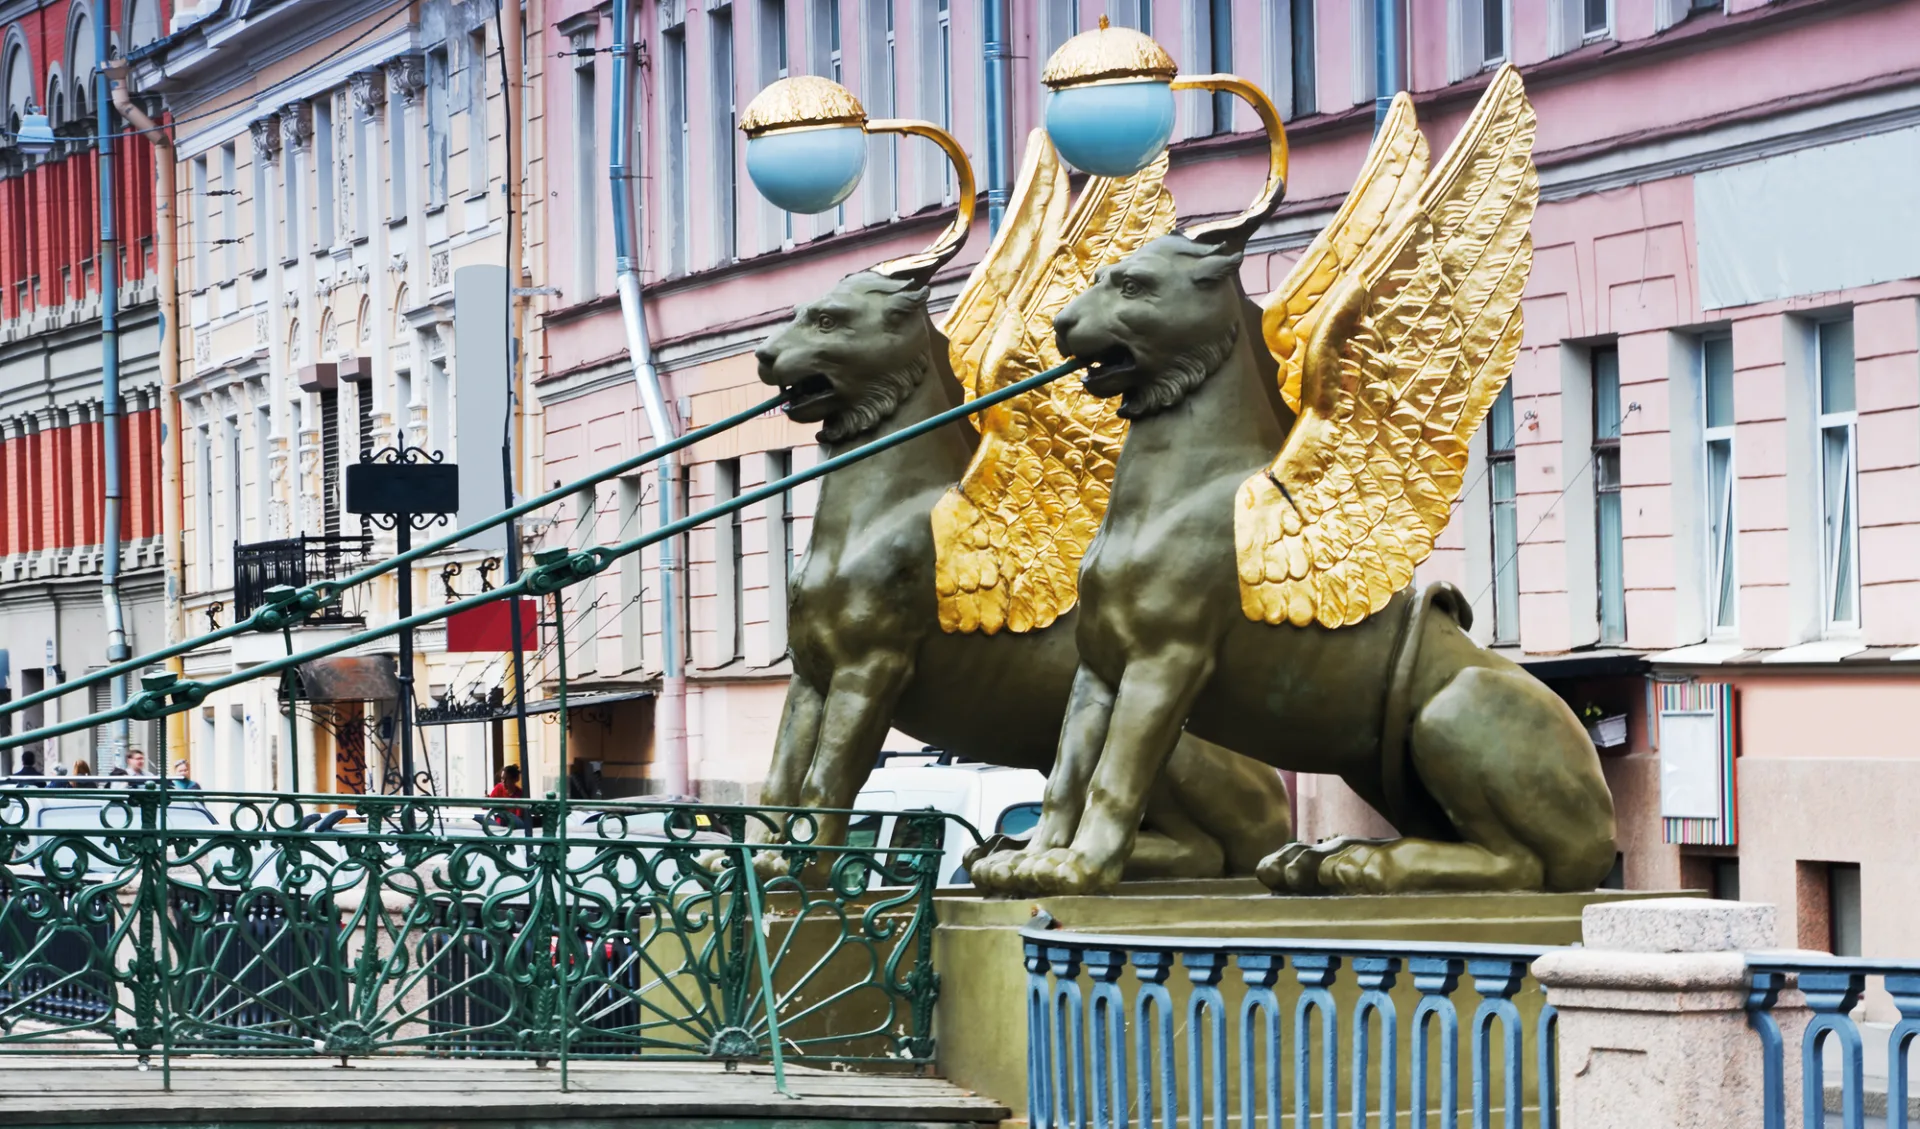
(155, 922)
(288, 607)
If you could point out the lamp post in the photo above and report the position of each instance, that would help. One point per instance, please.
(35, 136)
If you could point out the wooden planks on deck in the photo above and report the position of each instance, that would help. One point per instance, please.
(424, 1093)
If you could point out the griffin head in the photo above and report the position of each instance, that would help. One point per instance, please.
(1157, 323)
(851, 357)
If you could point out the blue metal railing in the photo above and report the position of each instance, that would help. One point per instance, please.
(1115, 1040)
(1833, 987)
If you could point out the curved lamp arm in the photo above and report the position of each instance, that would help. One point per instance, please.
(921, 267)
(1275, 189)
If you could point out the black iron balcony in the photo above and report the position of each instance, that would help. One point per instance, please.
(296, 561)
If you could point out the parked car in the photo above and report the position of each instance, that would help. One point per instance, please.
(993, 799)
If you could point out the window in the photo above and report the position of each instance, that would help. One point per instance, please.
(261, 223)
(1706, 5)
(1724, 874)
(779, 551)
(882, 99)
(586, 164)
(1716, 380)
(262, 471)
(1833, 373)
(773, 40)
(1506, 519)
(1219, 43)
(1493, 30)
(290, 201)
(943, 16)
(729, 551)
(323, 169)
(439, 409)
(229, 214)
(632, 617)
(203, 504)
(202, 230)
(330, 461)
(362, 175)
(1136, 14)
(397, 175)
(236, 493)
(674, 62)
(720, 26)
(1062, 20)
(1609, 539)
(477, 113)
(1596, 20)
(1301, 62)
(437, 127)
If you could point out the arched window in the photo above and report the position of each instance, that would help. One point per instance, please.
(16, 77)
(143, 23)
(80, 54)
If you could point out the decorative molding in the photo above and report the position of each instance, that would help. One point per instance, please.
(440, 270)
(397, 264)
(369, 91)
(296, 125)
(266, 137)
(409, 77)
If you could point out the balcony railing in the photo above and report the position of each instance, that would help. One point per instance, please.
(296, 561)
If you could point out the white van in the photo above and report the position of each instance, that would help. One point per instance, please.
(994, 799)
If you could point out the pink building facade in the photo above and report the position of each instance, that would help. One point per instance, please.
(1698, 511)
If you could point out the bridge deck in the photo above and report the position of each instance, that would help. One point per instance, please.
(401, 1093)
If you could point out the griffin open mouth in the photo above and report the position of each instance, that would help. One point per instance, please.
(1107, 374)
(811, 390)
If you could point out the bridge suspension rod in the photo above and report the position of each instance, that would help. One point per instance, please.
(554, 569)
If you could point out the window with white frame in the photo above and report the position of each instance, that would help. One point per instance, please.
(1060, 19)
(439, 127)
(202, 230)
(943, 44)
(362, 170)
(772, 32)
(1493, 31)
(882, 99)
(203, 503)
(586, 163)
(261, 222)
(1480, 36)
(323, 169)
(1504, 492)
(229, 213)
(1596, 18)
(673, 62)
(262, 471)
(1609, 536)
(1839, 474)
(1136, 14)
(1717, 433)
(236, 496)
(290, 165)
(729, 552)
(477, 113)
(722, 116)
(632, 617)
(1302, 65)
(398, 173)
(779, 551)
(1218, 43)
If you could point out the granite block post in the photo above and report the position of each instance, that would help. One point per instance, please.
(1653, 1021)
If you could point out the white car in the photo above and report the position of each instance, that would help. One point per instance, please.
(996, 800)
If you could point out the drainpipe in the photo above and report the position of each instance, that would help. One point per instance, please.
(999, 183)
(1386, 60)
(166, 251)
(623, 170)
(117, 649)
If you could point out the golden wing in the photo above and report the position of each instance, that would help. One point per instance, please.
(1009, 536)
(1396, 165)
(1407, 354)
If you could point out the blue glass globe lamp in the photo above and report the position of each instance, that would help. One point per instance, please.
(806, 143)
(1110, 112)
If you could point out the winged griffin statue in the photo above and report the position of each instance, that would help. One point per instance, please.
(994, 520)
(1251, 580)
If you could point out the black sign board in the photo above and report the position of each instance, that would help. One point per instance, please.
(403, 488)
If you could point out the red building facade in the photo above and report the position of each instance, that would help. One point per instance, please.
(52, 452)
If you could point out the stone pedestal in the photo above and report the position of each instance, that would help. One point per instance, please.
(980, 1026)
(1653, 1021)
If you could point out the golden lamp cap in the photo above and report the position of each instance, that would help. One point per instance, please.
(1108, 54)
(801, 102)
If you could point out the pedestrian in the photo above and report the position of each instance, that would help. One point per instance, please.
(507, 787)
(580, 782)
(29, 770)
(136, 763)
(81, 770)
(60, 773)
(182, 777)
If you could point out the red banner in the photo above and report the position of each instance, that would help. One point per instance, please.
(490, 628)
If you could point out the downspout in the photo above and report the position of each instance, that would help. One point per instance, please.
(117, 649)
(1386, 60)
(999, 182)
(165, 241)
(670, 719)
